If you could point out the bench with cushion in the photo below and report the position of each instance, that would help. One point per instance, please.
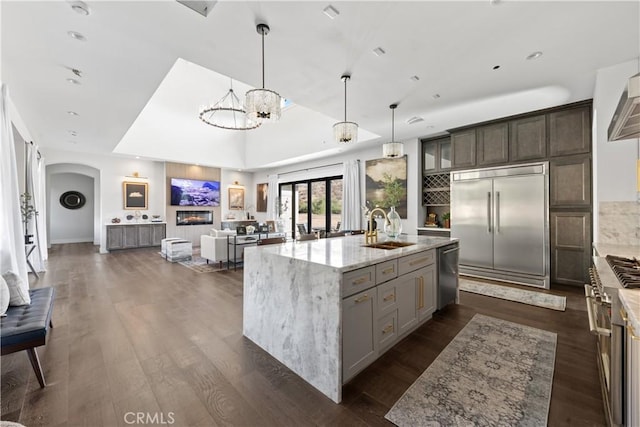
(25, 327)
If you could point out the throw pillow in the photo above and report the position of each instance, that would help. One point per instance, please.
(4, 297)
(18, 292)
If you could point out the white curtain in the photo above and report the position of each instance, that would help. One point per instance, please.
(12, 255)
(35, 184)
(272, 197)
(351, 199)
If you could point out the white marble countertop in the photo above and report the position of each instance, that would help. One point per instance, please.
(607, 276)
(628, 251)
(348, 253)
(630, 299)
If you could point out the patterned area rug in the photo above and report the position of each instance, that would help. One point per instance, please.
(199, 265)
(554, 302)
(493, 373)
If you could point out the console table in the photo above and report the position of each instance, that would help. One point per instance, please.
(138, 235)
(234, 241)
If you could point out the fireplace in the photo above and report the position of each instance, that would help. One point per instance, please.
(194, 217)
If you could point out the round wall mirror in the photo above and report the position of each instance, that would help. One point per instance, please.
(72, 199)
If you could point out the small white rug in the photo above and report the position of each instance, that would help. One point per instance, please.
(539, 299)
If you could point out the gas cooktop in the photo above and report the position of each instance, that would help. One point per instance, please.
(627, 270)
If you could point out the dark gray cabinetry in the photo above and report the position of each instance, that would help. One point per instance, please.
(570, 131)
(436, 155)
(528, 139)
(134, 235)
(570, 247)
(493, 144)
(463, 149)
(570, 182)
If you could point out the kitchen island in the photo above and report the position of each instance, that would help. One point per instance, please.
(328, 308)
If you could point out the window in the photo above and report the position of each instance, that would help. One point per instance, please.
(317, 205)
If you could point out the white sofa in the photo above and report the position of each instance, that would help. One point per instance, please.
(213, 247)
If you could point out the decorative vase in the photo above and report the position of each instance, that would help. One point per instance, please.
(393, 227)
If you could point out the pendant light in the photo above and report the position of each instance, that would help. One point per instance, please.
(391, 150)
(263, 105)
(345, 132)
(227, 113)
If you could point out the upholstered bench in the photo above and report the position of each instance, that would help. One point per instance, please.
(25, 327)
(164, 243)
(179, 250)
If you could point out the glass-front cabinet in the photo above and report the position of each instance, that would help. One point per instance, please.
(436, 154)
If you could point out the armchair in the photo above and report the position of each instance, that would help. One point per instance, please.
(213, 247)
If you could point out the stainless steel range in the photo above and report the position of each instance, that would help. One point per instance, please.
(605, 312)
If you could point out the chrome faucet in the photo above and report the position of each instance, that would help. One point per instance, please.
(371, 235)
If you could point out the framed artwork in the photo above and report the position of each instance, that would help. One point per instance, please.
(272, 226)
(236, 198)
(135, 195)
(261, 196)
(387, 184)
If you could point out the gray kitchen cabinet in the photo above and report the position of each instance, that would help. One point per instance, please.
(528, 139)
(570, 131)
(128, 236)
(463, 149)
(426, 292)
(436, 155)
(570, 247)
(570, 181)
(359, 336)
(493, 144)
(406, 296)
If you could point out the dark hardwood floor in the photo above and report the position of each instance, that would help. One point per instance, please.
(136, 334)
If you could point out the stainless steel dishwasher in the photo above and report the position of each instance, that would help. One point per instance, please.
(447, 274)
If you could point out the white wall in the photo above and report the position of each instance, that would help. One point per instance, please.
(71, 225)
(244, 179)
(415, 211)
(113, 172)
(614, 163)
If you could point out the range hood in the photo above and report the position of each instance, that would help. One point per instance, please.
(625, 123)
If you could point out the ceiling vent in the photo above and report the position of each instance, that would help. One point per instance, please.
(414, 120)
(625, 123)
(201, 6)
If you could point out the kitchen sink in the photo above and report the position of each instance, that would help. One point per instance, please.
(389, 245)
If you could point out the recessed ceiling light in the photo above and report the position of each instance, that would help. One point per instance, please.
(76, 35)
(495, 67)
(72, 132)
(435, 96)
(415, 119)
(80, 7)
(331, 11)
(379, 51)
(137, 157)
(73, 81)
(72, 113)
(414, 78)
(535, 55)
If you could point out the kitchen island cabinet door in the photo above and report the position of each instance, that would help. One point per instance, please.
(359, 338)
(406, 296)
(633, 376)
(426, 292)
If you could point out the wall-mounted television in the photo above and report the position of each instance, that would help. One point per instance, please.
(194, 192)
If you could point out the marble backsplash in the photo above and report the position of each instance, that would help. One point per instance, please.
(619, 223)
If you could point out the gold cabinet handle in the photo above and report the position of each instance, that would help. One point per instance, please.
(632, 333)
(388, 270)
(389, 297)
(360, 281)
(418, 261)
(363, 298)
(623, 314)
(387, 329)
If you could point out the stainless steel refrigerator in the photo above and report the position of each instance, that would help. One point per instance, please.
(501, 216)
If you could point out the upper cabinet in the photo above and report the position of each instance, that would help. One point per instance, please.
(528, 139)
(436, 155)
(493, 144)
(570, 131)
(463, 149)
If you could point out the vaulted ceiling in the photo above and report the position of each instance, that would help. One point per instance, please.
(146, 67)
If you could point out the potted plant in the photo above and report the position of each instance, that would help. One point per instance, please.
(446, 220)
(28, 211)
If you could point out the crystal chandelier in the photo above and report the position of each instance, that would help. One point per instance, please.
(227, 113)
(345, 132)
(263, 105)
(391, 150)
